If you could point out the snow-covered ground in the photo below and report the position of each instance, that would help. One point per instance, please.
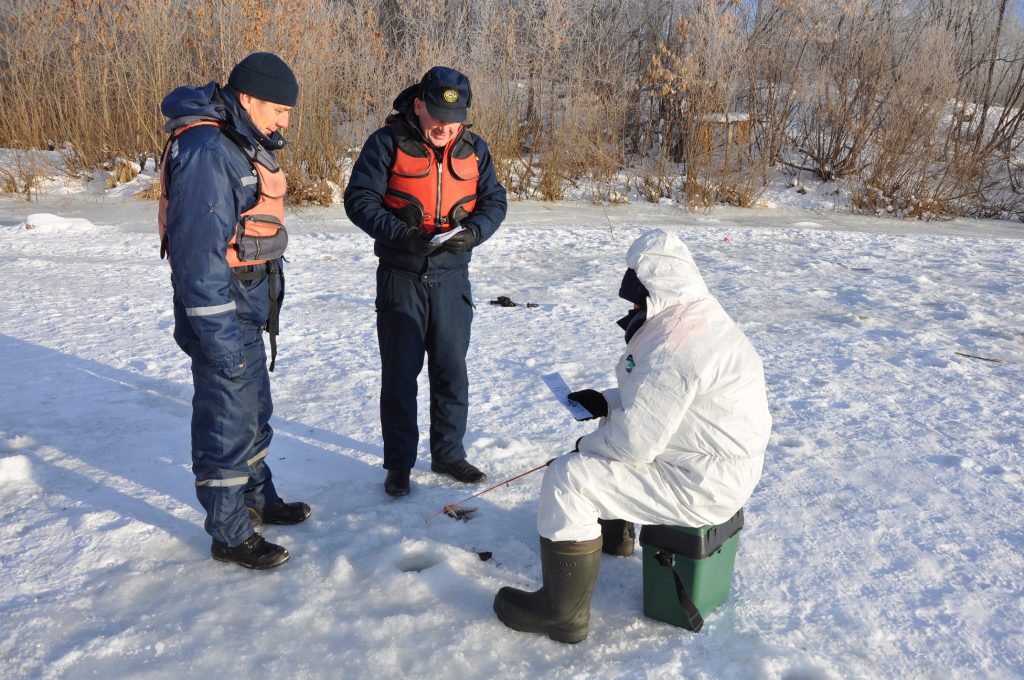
(884, 540)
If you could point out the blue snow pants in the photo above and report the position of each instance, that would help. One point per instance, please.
(231, 434)
(421, 314)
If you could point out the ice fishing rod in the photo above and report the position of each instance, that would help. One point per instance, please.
(451, 510)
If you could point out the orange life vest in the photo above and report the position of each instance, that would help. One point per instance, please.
(259, 235)
(440, 189)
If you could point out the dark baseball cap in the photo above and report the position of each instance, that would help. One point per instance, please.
(446, 93)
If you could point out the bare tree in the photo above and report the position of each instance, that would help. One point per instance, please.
(918, 105)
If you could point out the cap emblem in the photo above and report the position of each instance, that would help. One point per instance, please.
(451, 96)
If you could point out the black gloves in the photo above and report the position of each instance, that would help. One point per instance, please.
(592, 400)
(415, 241)
(462, 241)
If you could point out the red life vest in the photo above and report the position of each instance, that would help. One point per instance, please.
(259, 234)
(439, 189)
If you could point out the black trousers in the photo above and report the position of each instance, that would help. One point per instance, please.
(423, 315)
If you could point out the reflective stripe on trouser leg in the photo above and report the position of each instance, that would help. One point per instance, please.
(401, 323)
(260, 491)
(229, 429)
(229, 481)
(258, 457)
(447, 341)
(210, 311)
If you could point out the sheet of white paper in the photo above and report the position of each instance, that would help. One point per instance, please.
(561, 391)
(444, 236)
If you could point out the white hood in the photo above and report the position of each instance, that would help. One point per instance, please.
(665, 266)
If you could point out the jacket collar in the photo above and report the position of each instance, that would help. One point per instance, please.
(243, 125)
(187, 105)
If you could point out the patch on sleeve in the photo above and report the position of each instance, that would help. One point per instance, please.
(248, 180)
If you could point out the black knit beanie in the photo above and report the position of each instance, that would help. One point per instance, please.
(265, 76)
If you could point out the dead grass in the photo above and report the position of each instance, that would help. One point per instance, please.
(123, 172)
(23, 175)
(564, 92)
(150, 193)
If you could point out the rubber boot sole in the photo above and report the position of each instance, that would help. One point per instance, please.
(570, 636)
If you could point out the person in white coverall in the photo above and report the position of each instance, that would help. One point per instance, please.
(680, 442)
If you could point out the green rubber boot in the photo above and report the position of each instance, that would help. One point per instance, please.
(561, 608)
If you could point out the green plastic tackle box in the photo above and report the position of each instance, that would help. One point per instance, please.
(688, 572)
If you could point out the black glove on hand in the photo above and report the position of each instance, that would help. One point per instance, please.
(462, 241)
(592, 400)
(415, 241)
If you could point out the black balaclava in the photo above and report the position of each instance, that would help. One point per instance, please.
(632, 290)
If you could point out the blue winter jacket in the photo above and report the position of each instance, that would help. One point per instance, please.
(209, 183)
(364, 197)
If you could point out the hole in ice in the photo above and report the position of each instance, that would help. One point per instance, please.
(418, 562)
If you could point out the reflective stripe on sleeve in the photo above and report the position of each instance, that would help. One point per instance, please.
(230, 481)
(258, 457)
(209, 311)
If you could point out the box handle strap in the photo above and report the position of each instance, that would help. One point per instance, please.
(696, 621)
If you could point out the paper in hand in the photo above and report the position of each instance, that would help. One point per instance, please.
(445, 235)
(561, 391)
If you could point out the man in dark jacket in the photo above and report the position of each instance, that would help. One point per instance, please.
(422, 178)
(221, 222)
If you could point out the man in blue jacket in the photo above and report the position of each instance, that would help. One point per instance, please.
(222, 229)
(421, 178)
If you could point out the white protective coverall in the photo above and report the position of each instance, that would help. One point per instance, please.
(684, 439)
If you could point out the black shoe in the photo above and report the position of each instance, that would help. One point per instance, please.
(279, 513)
(619, 537)
(397, 483)
(462, 470)
(253, 553)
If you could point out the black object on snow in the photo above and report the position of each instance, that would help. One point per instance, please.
(506, 301)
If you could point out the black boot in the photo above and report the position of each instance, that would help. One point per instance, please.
(396, 483)
(619, 537)
(252, 553)
(280, 513)
(461, 470)
(561, 608)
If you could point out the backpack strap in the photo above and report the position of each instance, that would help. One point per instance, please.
(270, 270)
(693, 616)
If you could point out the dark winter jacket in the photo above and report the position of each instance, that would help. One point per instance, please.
(364, 195)
(210, 182)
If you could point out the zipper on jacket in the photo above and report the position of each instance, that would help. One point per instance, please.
(437, 215)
